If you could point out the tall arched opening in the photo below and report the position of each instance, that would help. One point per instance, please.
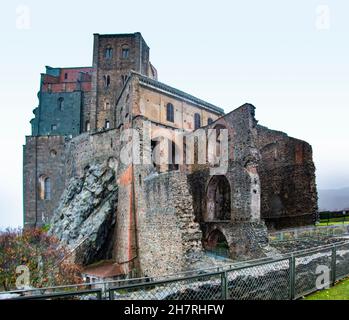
(218, 199)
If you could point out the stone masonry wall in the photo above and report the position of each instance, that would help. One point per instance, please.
(287, 173)
(169, 239)
(42, 157)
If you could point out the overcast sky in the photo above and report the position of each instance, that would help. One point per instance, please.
(288, 58)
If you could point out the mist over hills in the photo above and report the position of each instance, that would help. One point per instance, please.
(333, 200)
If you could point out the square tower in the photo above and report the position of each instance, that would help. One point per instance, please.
(114, 56)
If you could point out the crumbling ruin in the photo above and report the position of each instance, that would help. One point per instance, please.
(127, 169)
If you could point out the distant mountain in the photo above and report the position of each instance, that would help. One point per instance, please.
(333, 200)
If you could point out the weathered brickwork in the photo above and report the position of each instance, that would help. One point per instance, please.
(287, 173)
(43, 158)
(80, 167)
(168, 234)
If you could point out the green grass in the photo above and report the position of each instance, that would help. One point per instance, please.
(339, 292)
(333, 221)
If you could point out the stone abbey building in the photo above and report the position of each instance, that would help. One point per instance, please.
(155, 217)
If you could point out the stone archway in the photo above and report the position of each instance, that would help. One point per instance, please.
(217, 243)
(218, 199)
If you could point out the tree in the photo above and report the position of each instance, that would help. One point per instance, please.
(39, 255)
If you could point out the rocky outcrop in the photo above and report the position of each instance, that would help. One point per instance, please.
(85, 217)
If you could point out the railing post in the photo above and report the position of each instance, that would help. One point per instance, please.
(334, 265)
(224, 280)
(292, 268)
(111, 294)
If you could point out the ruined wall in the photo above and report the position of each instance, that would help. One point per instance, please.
(42, 157)
(242, 220)
(88, 148)
(168, 237)
(241, 173)
(287, 173)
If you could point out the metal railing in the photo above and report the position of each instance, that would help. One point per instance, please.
(291, 276)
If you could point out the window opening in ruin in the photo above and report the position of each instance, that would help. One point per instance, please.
(218, 199)
(107, 124)
(172, 165)
(155, 154)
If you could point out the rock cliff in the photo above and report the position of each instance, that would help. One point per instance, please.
(85, 217)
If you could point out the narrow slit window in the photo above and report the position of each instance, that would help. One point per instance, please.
(170, 112)
(197, 121)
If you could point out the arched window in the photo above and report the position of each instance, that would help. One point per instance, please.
(108, 53)
(44, 187)
(47, 186)
(60, 103)
(209, 121)
(87, 126)
(125, 52)
(107, 124)
(170, 112)
(218, 199)
(197, 121)
(106, 81)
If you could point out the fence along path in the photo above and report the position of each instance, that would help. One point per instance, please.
(289, 276)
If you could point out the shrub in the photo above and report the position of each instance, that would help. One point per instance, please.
(40, 253)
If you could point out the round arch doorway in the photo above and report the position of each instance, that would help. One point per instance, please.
(217, 244)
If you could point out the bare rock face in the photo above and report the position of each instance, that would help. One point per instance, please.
(85, 218)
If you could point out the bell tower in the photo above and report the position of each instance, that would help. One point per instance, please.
(114, 56)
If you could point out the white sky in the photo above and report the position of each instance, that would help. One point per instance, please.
(285, 57)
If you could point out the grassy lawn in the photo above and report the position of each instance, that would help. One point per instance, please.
(322, 224)
(333, 221)
(339, 292)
